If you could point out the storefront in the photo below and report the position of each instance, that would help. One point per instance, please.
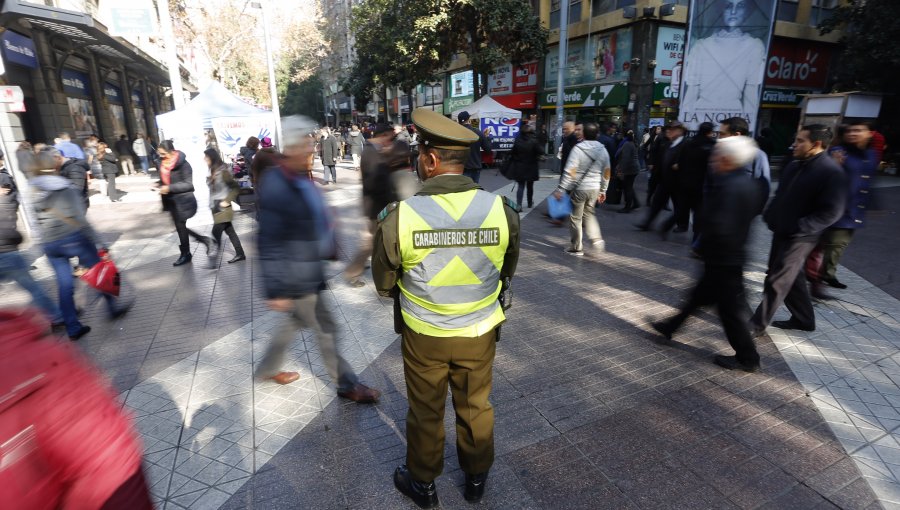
(461, 91)
(77, 86)
(112, 93)
(665, 104)
(20, 59)
(591, 103)
(431, 96)
(794, 67)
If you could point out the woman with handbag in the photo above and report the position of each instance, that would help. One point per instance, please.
(176, 188)
(524, 163)
(65, 233)
(627, 168)
(223, 189)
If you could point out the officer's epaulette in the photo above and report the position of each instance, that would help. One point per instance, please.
(387, 210)
(510, 203)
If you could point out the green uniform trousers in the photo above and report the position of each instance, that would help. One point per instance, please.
(429, 363)
(833, 242)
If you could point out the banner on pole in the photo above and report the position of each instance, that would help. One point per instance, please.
(502, 131)
(725, 60)
(232, 132)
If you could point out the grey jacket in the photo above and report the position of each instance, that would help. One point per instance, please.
(9, 235)
(60, 210)
(585, 168)
(356, 141)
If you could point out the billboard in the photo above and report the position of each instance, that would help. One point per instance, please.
(500, 81)
(669, 52)
(725, 60)
(794, 63)
(502, 131)
(525, 78)
(602, 58)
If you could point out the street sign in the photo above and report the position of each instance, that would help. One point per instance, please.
(11, 94)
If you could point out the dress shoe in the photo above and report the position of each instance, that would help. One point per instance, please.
(732, 363)
(284, 377)
(530, 205)
(832, 282)
(80, 333)
(475, 485)
(817, 290)
(664, 330)
(182, 260)
(792, 323)
(423, 494)
(237, 258)
(361, 394)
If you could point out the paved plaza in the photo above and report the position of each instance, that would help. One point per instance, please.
(590, 412)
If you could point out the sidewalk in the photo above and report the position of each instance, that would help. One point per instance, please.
(590, 413)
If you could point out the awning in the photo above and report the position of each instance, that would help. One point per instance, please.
(84, 31)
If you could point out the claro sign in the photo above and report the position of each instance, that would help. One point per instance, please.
(795, 63)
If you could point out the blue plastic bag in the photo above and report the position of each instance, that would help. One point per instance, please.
(559, 208)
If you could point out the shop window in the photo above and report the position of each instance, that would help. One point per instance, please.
(787, 10)
(574, 12)
(821, 10)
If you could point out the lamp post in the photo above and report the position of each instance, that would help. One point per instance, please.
(165, 22)
(273, 88)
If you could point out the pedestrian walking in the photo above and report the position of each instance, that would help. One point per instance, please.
(295, 237)
(691, 176)
(627, 169)
(25, 157)
(355, 140)
(249, 150)
(655, 149)
(108, 168)
(446, 255)
(12, 265)
(669, 161)
(67, 147)
(330, 151)
(483, 143)
(569, 140)
(263, 160)
(524, 164)
(66, 233)
(125, 154)
(585, 179)
(176, 188)
(223, 190)
(810, 198)
(860, 164)
(728, 211)
(377, 193)
(76, 171)
(141, 149)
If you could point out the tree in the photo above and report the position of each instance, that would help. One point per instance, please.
(868, 55)
(303, 98)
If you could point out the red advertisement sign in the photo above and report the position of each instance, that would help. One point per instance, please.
(525, 77)
(517, 101)
(796, 63)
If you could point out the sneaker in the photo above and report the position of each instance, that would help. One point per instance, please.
(576, 253)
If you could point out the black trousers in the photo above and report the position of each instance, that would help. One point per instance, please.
(652, 184)
(723, 286)
(688, 202)
(661, 198)
(786, 283)
(228, 228)
(627, 183)
(184, 232)
(521, 187)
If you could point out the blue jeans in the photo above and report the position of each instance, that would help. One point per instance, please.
(59, 252)
(145, 163)
(14, 267)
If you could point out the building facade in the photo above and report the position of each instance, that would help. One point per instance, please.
(74, 76)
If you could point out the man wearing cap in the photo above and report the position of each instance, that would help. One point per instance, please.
(446, 255)
(481, 143)
(670, 162)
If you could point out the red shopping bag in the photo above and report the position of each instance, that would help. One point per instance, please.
(104, 276)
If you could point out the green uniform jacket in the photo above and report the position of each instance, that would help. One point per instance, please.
(386, 263)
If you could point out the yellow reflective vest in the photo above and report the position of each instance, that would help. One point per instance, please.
(452, 248)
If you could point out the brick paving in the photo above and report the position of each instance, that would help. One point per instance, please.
(590, 412)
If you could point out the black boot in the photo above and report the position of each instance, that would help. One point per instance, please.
(475, 487)
(183, 259)
(424, 495)
(237, 258)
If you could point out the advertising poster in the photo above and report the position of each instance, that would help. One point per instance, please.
(525, 77)
(118, 118)
(461, 84)
(500, 81)
(798, 64)
(82, 113)
(725, 60)
(502, 131)
(669, 52)
(232, 132)
(574, 70)
(610, 57)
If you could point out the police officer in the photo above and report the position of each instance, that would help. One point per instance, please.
(446, 256)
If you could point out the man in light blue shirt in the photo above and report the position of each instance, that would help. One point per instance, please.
(68, 148)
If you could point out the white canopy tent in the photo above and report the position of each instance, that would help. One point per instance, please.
(487, 107)
(187, 127)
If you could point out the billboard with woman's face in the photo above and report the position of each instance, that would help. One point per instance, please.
(725, 60)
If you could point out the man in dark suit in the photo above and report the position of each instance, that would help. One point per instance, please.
(728, 211)
(810, 198)
(669, 163)
(331, 152)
